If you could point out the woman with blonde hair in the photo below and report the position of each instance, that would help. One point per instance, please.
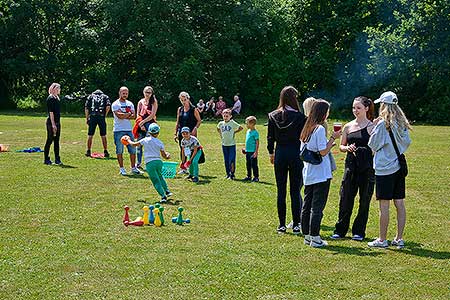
(389, 140)
(53, 124)
(187, 116)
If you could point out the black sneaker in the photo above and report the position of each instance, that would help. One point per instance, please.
(163, 199)
(169, 193)
(281, 229)
(232, 177)
(194, 179)
(296, 230)
(47, 162)
(256, 179)
(247, 179)
(106, 153)
(88, 153)
(58, 162)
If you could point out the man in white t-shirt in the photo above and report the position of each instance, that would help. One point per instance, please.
(123, 111)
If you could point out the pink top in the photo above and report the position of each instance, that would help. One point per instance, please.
(142, 108)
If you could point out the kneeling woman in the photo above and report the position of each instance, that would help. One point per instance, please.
(316, 177)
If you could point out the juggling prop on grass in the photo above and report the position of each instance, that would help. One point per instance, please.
(179, 220)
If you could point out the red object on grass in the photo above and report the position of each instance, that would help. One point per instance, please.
(126, 218)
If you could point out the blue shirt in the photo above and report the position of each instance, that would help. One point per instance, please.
(250, 140)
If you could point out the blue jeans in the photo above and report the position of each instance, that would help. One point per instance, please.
(119, 146)
(229, 157)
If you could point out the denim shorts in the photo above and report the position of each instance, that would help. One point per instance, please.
(119, 146)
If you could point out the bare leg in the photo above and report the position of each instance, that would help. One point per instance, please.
(133, 160)
(401, 217)
(104, 142)
(120, 160)
(89, 142)
(384, 218)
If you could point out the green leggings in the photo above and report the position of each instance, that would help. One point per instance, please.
(193, 168)
(154, 170)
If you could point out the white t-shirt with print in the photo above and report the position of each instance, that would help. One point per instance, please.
(122, 124)
(313, 174)
(152, 148)
(189, 145)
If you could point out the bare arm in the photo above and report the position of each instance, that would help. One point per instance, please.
(239, 129)
(123, 115)
(86, 112)
(199, 121)
(107, 109)
(330, 143)
(165, 154)
(52, 119)
(257, 149)
(194, 153)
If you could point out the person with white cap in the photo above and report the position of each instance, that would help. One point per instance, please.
(153, 150)
(389, 140)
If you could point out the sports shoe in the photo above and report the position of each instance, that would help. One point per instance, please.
(232, 177)
(105, 153)
(307, 240)
(377, 243)
(400, 244)
(163, 199)
(296, 230)
(88, 153)
(47, 162)
(336, 236)
(122, 171)
(357, 237)
(247, 179)
(290, 225)
(256, 179)
(136, 171)
(169, 193)
(182, 171)
(281, 229)
(195, 179)
(317, 242)
(58, 162)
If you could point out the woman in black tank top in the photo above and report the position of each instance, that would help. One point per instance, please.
(358, 173)
(187, 116)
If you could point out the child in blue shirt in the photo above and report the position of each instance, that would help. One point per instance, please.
(251, 149)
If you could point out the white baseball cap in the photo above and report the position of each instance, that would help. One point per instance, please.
(387, 97)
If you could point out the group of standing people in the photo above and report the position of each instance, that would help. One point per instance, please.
(298, 146)
(374, 158)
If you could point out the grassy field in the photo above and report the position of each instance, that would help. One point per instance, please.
(62, 236)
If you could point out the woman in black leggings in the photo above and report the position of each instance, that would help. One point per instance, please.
(53, 124)
(284, 128)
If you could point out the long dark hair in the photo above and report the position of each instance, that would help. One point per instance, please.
(152, 97)
(367, 102)
(288, 96)
(316, 117)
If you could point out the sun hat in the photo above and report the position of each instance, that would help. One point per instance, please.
(387, 97)
(153, 128)
(185, 129)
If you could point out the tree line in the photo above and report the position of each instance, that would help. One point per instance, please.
(332, 49)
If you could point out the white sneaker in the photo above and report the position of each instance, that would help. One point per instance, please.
(399, 243)
(307, 240)
(136, 171)
(317, 242)
(377, 243)
(122, 171)
(182, 171)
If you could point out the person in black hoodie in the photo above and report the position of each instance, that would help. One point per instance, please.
(284, 128)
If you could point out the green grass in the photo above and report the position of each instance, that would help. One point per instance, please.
(62, 236)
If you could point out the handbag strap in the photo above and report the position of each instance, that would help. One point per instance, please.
(394, 143)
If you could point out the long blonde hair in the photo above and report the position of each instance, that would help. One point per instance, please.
(393, 114)
(52, 89)
(317, 116)
(307, 105)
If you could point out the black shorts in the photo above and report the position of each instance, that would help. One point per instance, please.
(390, 187)
(94, 121)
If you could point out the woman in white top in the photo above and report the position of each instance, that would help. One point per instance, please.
(316, 177)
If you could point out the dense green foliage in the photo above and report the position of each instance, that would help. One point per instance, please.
(332, 49)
